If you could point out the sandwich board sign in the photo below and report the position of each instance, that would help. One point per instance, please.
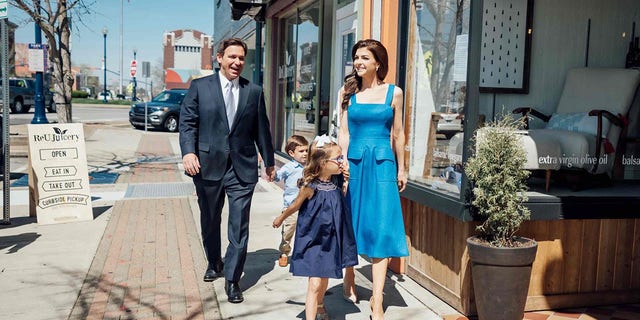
(58, 178)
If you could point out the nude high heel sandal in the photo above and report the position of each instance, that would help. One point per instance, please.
(371, 307)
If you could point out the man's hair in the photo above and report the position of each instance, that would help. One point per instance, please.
(295, 141)
(226, 43)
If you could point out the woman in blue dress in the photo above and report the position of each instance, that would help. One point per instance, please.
(372, 137)
(324, 242)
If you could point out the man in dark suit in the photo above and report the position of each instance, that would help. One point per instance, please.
(222, 120)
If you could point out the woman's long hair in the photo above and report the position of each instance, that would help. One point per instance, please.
(317, 156)
(352, 82)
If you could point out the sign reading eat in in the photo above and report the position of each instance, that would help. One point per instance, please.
(59, 178)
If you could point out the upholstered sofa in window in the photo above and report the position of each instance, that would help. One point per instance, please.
(588, 122)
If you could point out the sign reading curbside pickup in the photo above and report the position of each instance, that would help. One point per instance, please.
(58, 178)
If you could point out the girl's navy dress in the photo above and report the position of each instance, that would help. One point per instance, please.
(324, 242)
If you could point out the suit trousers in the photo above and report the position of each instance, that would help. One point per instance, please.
(211, 199)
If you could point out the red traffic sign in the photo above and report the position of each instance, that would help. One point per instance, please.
(134, 67)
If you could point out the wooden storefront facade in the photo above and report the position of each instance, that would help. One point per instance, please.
(581, 260)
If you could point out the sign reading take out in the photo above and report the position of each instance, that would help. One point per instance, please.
(59, 178)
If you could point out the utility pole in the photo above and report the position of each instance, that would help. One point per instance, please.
(121, 31)
(104, 66)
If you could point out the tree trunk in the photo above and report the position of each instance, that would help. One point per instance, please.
(66, 77)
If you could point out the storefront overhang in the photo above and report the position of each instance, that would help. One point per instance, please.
(252, 8)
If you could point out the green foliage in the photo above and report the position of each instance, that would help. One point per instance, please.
(79, 94)
(499, 181)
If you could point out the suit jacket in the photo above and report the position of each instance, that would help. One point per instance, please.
(204, 129)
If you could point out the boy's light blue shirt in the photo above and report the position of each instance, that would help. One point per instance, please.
(290, 173)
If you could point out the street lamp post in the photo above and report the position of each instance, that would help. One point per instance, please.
(135, 85)
(104, 66)
(39, 115)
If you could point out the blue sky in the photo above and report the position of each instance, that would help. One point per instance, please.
(144, 23)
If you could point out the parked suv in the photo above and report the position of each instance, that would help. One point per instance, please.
(163, 111)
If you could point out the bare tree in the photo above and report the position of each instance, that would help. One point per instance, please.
(443, 43)
(55, 22)
(157, 76)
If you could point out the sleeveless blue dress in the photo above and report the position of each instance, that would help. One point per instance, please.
(324, 242)
(373, 189)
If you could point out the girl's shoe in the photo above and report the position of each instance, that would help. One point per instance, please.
(322, 314)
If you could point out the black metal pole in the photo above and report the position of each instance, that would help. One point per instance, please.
(104, 96)
(6, 163)
(135, 84)
(586, 49)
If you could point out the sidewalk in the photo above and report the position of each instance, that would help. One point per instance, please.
(141, 257)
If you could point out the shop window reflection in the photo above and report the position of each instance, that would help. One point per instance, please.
(436, 93)
(298, 71)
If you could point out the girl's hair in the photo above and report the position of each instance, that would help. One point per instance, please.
(295, 141)
(317, 155)
(352, 82)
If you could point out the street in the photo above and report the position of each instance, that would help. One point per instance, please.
(80, 113)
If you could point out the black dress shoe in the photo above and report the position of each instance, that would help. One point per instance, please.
(213, 271)
(234, 294)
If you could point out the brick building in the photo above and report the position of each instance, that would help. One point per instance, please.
(188, 54)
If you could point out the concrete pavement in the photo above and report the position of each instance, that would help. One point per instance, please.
(141, 257)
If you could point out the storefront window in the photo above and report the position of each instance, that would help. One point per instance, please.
(436, 92)
(298, 73)
(342, 3)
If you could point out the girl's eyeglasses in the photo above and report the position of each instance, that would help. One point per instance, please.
(338, 160)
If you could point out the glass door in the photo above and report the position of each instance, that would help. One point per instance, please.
(298, 72)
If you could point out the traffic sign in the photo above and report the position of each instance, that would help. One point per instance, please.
(4, 9)
(134, 68)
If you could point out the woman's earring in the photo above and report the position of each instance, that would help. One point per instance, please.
(377, 67)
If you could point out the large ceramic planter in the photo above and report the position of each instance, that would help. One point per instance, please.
(501, 278)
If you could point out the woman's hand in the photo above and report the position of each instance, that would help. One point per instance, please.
(344, 167)
(402, 180)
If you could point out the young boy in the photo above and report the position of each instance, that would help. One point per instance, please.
(297, 147)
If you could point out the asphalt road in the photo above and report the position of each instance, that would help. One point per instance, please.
(80, 113)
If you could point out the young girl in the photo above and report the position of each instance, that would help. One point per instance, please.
(324, 241)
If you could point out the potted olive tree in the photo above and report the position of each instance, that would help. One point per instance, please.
(500, 261)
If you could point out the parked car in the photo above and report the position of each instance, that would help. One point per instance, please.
(163, 111)
(109, 95)
(21, 94)
(91, 92)
(450, 124)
